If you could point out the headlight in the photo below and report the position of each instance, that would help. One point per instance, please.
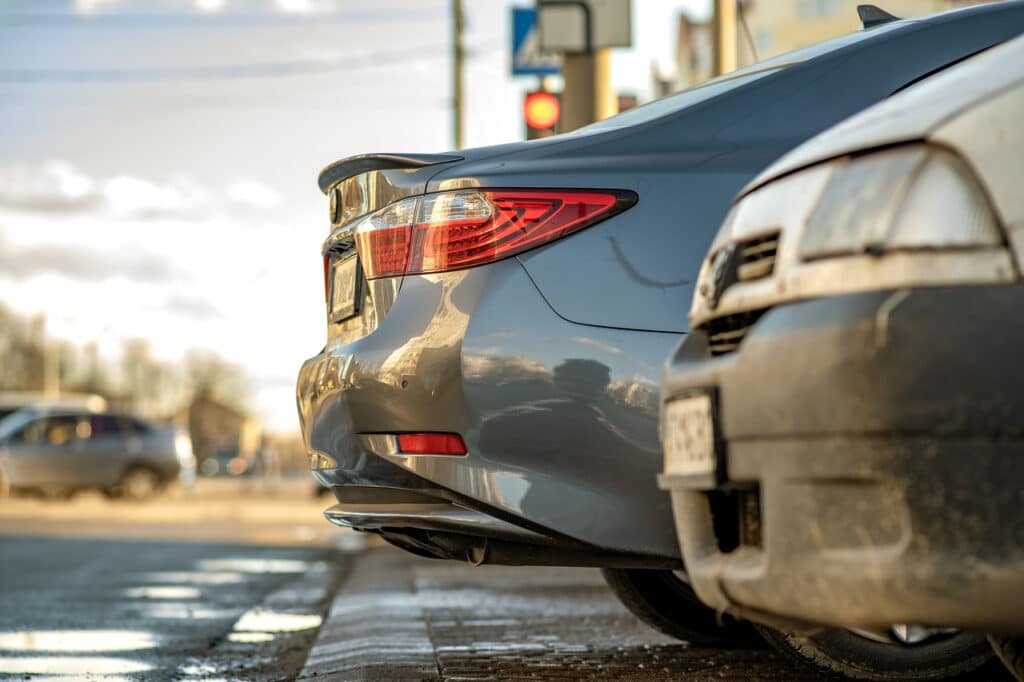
(903, 199)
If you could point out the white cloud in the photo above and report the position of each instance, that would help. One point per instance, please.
(295, 6)
(57, 186)
(130, 196)
(92, 6)
(53, 185)
(210, 6)
(253, 194)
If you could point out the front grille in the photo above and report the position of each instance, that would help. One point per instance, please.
(727, 332)
(756, 258)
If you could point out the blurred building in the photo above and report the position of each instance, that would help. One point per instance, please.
(693, 58)
(772, 27)
(780, 26)
(224, 439)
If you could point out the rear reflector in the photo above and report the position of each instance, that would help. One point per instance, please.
(462, 229)
(431, 444)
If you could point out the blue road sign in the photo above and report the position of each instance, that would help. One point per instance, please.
(527, 59)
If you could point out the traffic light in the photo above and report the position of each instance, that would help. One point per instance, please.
(541, 111)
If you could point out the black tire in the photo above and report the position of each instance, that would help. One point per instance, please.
(667, 603)
(847, 655)
(1010, 651)
(139, 483)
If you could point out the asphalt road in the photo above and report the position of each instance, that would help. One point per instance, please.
(159, 610)
(226, 581)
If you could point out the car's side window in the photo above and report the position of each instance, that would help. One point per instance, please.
(105, 425)
(50, 430)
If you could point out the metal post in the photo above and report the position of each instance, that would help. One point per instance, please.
(725, 36)
(458, 56)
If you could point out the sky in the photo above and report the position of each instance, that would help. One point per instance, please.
(158, 158)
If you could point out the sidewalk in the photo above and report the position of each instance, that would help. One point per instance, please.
(399, 617)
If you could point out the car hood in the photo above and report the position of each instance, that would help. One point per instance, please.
(910, 115)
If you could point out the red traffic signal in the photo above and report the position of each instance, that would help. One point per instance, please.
(541, 111)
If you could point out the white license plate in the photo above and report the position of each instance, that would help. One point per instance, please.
(344, 288)
(689, 438)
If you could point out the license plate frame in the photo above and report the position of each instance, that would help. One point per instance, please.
(346, 286)
(691, 441)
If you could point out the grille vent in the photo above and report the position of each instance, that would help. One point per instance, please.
(757, 258)
(727, 332)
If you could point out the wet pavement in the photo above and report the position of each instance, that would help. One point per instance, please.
(226, 581)
(128, 609)
(398, 617)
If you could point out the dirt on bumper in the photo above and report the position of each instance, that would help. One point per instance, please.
(879, 437)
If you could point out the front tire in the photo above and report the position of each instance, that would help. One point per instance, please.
(851, 656)
(1010, 651)
(668, 604)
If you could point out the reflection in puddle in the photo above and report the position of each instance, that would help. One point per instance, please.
(264, 620)
(250, 637)
(244, 565)
(76, 640)
(199, 669)
(72, 665)
(196, 577)
(163, 592)
(176, 610)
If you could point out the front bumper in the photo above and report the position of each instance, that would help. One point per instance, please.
(560, 426)
(872, 453)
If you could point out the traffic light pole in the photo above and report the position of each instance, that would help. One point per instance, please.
(458, 55)
(588, 94)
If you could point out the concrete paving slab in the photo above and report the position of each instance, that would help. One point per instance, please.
(399, 617)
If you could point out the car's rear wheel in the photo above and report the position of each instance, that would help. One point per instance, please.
(138, 483)
(920, 655)
(1010, 651)
(666, 602)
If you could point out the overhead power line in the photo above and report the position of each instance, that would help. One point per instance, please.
(148, 20)
(224, 71)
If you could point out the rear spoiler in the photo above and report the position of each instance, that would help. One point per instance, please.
(354, 165)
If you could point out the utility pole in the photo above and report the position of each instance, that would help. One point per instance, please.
(725, 36)
(50, 352)
(458, 56)
(588, 94)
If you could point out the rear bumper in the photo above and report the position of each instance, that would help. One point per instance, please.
(559, 422)
(876, 441)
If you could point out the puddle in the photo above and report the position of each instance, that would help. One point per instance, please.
(76, 640)
(265, 620)
(178, 610)
(199, 669)
(163, 592)
(250, 637)
(72, 665)
(244, 565)
(195, 577)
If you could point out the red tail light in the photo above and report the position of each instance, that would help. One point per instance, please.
(461, 229)
(431, 444)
